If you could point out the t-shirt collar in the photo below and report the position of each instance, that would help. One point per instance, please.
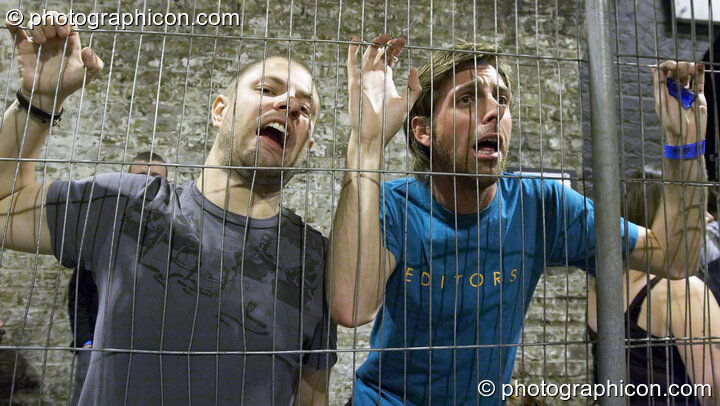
(448, 216)
(215, 210)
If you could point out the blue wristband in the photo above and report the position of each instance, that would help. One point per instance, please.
(88, 342)
(687, 151)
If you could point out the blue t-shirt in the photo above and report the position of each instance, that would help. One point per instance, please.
(464, 303)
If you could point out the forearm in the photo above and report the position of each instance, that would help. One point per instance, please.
(714, 378)
(701, 357)
(358, 274)
(671, 247)
(695, 316)
(701, 362)
(310, 397)
(313, 388)
(678, 226)
(20, 196)
(20, 137)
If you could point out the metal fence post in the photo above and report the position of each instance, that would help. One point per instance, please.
(611, 348)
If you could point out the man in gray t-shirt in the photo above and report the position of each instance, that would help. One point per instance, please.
(209, 292)
(175, 272)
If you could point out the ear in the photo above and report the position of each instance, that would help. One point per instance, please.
(305, 151)
(219, 109)
(311, 130)
(421, 130)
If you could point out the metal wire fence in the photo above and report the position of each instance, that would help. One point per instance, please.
(157, 93)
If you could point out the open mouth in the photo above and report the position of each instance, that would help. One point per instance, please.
(487, 148)
(274, 132)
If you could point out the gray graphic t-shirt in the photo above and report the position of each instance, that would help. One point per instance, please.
(196, 305)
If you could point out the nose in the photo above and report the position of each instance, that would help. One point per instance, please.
(289, 103)
(492, 109)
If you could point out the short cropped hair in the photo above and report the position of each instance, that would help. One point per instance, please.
(434, 75)
(147, 156)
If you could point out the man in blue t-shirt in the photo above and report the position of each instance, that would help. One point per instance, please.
(447, 264)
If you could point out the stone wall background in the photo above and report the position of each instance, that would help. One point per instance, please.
(156, 90)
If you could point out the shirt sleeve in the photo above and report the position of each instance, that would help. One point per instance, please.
(570, 228)
(83, 214)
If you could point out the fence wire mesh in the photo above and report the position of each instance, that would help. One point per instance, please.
(256, 306)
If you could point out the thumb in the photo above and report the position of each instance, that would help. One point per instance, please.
(412, 93)
(92, 62)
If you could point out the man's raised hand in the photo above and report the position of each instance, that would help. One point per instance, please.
(681, 125)
(383, 108)
(49, 40)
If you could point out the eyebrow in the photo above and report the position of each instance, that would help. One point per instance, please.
(475, 82)
(280, 82)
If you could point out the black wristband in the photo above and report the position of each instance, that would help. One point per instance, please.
(42, 115)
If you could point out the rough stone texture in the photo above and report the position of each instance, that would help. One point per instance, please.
(156, 91)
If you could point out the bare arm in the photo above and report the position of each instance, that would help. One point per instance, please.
(695, 315)
(360, 264)
(671, 248)
(22, 135)
(313, 389)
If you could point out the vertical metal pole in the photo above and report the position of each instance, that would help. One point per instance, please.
(611, 349)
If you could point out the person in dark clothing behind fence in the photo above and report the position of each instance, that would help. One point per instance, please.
(674, 309)
(139, 166)
(83, 293)
(82, 311)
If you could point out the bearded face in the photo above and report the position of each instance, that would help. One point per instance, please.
(265, 130)
(472, 124)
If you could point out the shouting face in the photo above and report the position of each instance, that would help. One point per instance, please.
(472, 124)
(268, 124)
